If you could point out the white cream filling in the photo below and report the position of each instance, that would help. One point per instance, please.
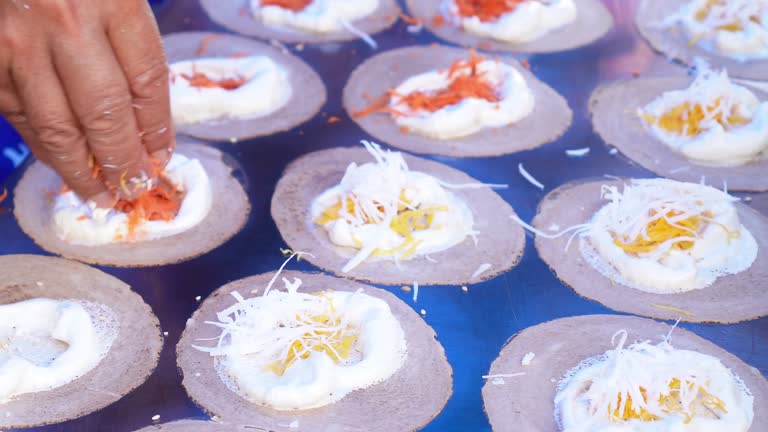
(261, 330)
(716, 145)
(45, 343)
(78, 222)
(378, 185)
(530, 20)
(715, 252)
(320, 16)
(589, 392)
(749, 43)
(516, 101)
(266, 90)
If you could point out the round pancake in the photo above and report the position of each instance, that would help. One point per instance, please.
(730, 299)
(526, 403)
(192, 426)
(308, 97)
(673, 42)
(592, 22)
(498, 243)
(613, 108)
(229, 212)
(131, 359)
(550, 118)
(408, 400)
(236, 15)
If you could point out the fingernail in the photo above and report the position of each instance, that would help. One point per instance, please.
(161, 156)
(104, 200)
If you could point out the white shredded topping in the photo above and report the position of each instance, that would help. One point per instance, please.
(415, 291)
(359, 33)
(374, 195)
(480, 270)
(503, 375)
(526, 175)
(601, 387)
(580, 152)
(527, 359)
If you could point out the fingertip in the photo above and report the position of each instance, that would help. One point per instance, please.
(160, 158)
(104, 200)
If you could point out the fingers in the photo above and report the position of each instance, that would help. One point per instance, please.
(101, 101)
(57, 138)
(138, 48)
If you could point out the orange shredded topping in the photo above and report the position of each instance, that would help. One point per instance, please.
(466, 82)
(333, 120)
(463, 86)
(3, 195)
(201, 80)
(204, 43)
(82, 217)
(438, 20)
(160, 203)
(239, 55)
(378, 105)
(486, 10)
(410, 20)
(686, 118)
(292, 5)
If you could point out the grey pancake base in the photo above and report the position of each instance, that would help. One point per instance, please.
(613, 116)
(408, 400)
(309, 93)
(134, 353)
(592, 22)
(550, 118)
(499, 243)
(193, 426)
(229, 212)
(673, 42)
(730, 299)
(229, 14)
(526, 403)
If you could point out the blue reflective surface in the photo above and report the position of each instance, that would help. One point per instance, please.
(13, 152)
(472, 326)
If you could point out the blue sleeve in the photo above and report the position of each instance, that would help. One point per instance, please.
(13, 152)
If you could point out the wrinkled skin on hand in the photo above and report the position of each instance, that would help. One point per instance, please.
(86, 81)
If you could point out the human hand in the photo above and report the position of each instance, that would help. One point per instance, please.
(84, 82)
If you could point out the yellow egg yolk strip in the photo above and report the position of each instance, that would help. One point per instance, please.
(685, 119)
(327, 336)
(659, 231)
(735, 26)
(670, 403)
(486, 10)
(465, 82)
(405, 223)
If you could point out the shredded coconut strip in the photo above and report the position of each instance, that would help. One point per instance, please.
(480, 270)
(578, 152)
(526, 175)
(359, 33)
(512, 375)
